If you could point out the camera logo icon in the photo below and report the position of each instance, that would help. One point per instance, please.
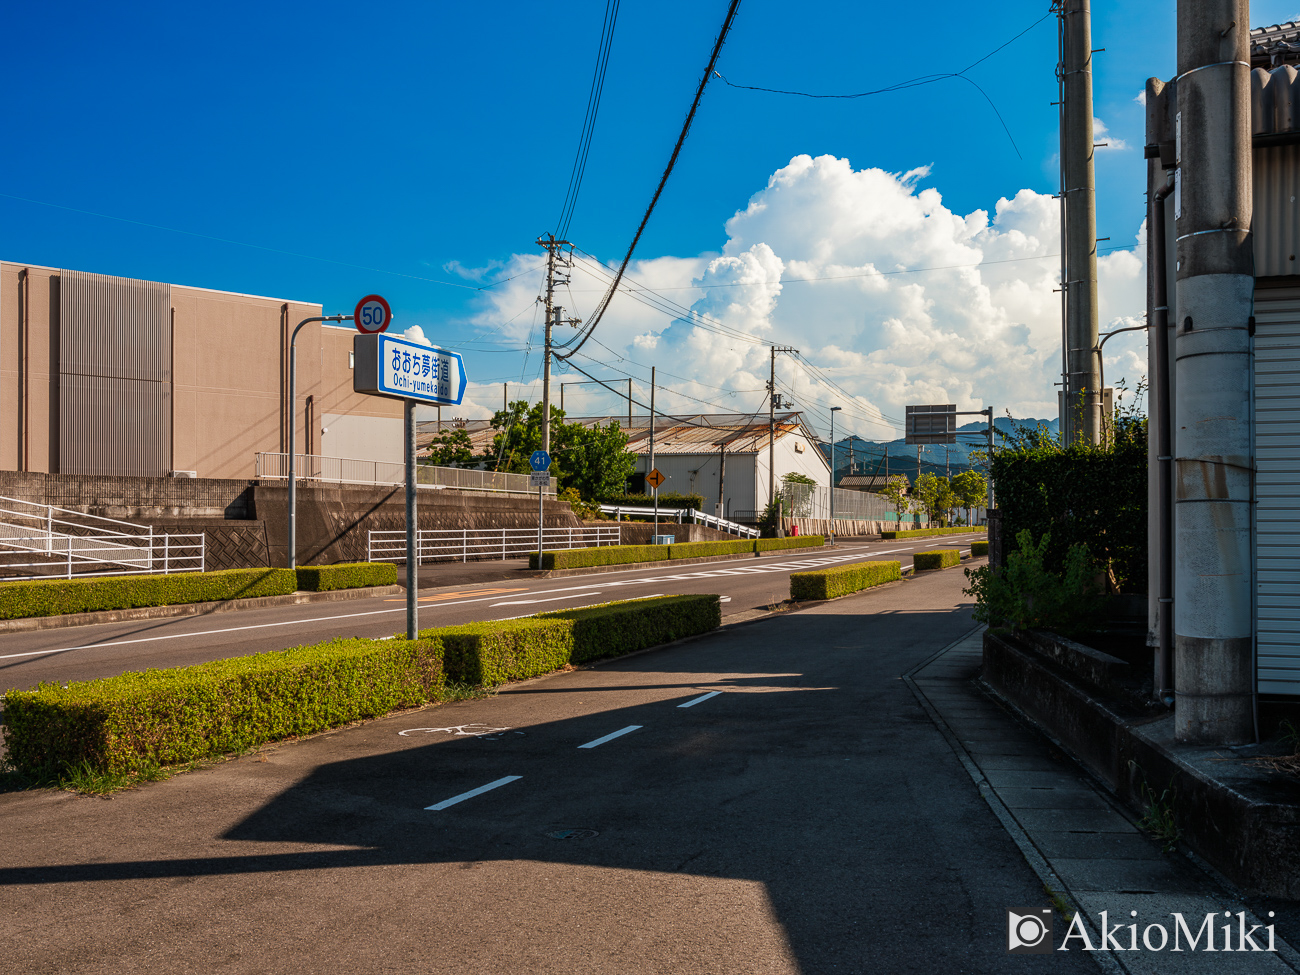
(1029, 931)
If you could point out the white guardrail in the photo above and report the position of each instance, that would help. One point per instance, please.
(481, 544)
(346, 470)
(62, 542)
(678, 515)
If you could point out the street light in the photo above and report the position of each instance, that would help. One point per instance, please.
(834, 410)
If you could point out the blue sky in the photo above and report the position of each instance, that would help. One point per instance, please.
(415, 141)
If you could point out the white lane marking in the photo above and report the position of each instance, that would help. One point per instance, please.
(773, 567)
(724, 599)
(457, 731)
(553, 599)
(504, 780)
(702, 697)
(612, 735)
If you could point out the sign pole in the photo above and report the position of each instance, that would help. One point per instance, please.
(412, 528)
(540, 511)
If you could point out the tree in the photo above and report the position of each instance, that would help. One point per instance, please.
(452, 448)
(593, 460)
(895, 492)
(934, 495)
(970, 489)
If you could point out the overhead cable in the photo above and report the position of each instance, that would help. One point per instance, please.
(589, 121)
(591, 324)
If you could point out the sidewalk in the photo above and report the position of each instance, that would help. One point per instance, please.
(1082, 844)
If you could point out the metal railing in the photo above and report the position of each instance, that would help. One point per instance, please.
(482, 544)
(345, 470)
(62, 542)
(678, 515)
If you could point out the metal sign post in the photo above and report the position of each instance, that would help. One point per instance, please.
(654, 479)
(414, 372)
(540, 462)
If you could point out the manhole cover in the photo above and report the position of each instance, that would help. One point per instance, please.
(573, 833)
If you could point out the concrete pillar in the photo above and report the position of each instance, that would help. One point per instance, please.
(1083, 379)
(1213, 410)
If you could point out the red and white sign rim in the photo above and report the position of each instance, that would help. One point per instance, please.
(356, 315)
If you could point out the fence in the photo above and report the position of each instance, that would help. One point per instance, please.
(678, 514)
(60, 542)
(345, 470)
(481, 544)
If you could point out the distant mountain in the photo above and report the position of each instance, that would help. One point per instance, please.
(858, 456)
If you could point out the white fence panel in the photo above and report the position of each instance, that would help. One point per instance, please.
(482, 544)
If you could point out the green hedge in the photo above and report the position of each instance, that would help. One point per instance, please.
(611, 629)
(496, 652)
(696, 550)
(926, 532)
(667, 499)
(978, 548)
(163, 717)
(55, 597)
(794, 541)
(940, 558)
(842, 579)
(349, 575)
(581, 558)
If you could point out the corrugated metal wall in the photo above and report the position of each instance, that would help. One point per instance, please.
(115, 362)
(1277, 425)
(1277, 210)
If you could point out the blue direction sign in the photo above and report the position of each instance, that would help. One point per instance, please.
(540, 460)
(389, 365)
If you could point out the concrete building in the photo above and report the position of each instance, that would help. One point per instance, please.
(721, 456)
(115, 376)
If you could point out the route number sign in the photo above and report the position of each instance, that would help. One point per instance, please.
(655, 478)
(372, 315)
(540, 460)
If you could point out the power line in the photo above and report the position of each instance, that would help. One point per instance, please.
(913, 83)
(589, 121)
(663, 180)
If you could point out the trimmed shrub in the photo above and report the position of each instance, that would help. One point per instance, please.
(978, 549)
(495, 652)
(55, 597)
(667, 499)
(612, 629)
(842, 579)
(162, 717)
(927, 532)
(796, 541)
(581, 558)
(940, 558)
(348, 575)
(695, 550)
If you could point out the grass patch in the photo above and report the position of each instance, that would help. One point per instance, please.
(842, 579)
(940, 558)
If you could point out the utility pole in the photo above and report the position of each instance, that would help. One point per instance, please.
(652, 444)
(771, 423)
(1214, 450)
(1081, 397)
(554, 259)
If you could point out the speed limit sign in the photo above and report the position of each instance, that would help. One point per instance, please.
(372, 315)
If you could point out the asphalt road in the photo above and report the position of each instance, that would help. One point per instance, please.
(802, 814)
(87, 652)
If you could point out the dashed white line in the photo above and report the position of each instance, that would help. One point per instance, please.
(504, 780)
(611, 736)
(702, 697)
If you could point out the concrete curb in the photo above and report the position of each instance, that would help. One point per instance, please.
(33, 623)
(633, 566)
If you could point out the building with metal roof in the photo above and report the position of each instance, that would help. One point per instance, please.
(720, 456)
